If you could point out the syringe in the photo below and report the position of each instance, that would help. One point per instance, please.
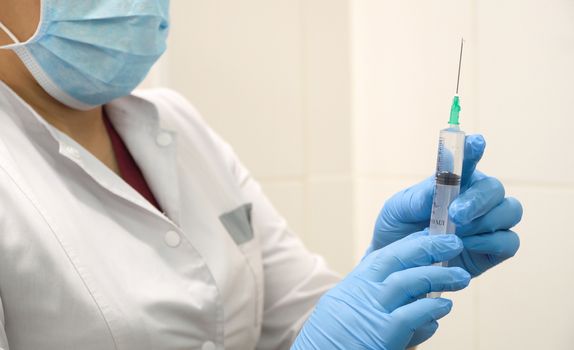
(448, 170)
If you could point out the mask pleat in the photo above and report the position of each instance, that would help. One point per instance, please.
(97, 50)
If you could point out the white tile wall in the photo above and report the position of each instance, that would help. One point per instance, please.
(336, 104)
(526, 55)
(240, 62)
(405, 57)
(328, 86)
(330, 209)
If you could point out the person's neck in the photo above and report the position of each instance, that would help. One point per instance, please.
(85, 127)
(79, 125)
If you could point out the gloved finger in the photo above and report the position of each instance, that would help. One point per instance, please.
(418, 313)
(503, 217)
(423, 333)
(478, 200)
(475, 177)
(388, 234)
(372, 247)
(405, 254)
(473, 150)
(406, 286)
(411, 205)
(406, 212)
(416, 235)
(499, 245)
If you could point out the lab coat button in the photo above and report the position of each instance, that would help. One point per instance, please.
(164, 139)
(74, 153)
(71, 152)
(208, 346)
(172, 239)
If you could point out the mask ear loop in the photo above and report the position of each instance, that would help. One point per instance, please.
(9, 33)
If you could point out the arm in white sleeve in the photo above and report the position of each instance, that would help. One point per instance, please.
(3, 337)
(294, 278)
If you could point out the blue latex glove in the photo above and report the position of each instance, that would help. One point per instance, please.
(482, 214)
(378, 307)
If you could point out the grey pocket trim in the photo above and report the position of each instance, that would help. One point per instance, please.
(238, 224)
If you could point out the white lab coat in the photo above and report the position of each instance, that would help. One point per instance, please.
(87, 263)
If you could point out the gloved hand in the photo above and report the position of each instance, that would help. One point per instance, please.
(377, 307)
(482, 214)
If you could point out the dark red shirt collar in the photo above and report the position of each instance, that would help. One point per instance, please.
(129, 169)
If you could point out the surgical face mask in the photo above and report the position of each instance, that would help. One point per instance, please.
(88, 53)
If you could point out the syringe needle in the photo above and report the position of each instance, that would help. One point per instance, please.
(455, 108)
(459, 64)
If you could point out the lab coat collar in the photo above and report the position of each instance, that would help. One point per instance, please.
(153, 144)
(26, 117)
(137, 120)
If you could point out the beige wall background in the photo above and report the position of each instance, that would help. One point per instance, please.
(336, 104)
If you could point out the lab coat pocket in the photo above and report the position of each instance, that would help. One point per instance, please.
(238, 224)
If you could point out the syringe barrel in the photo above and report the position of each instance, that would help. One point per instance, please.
(448, 178)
